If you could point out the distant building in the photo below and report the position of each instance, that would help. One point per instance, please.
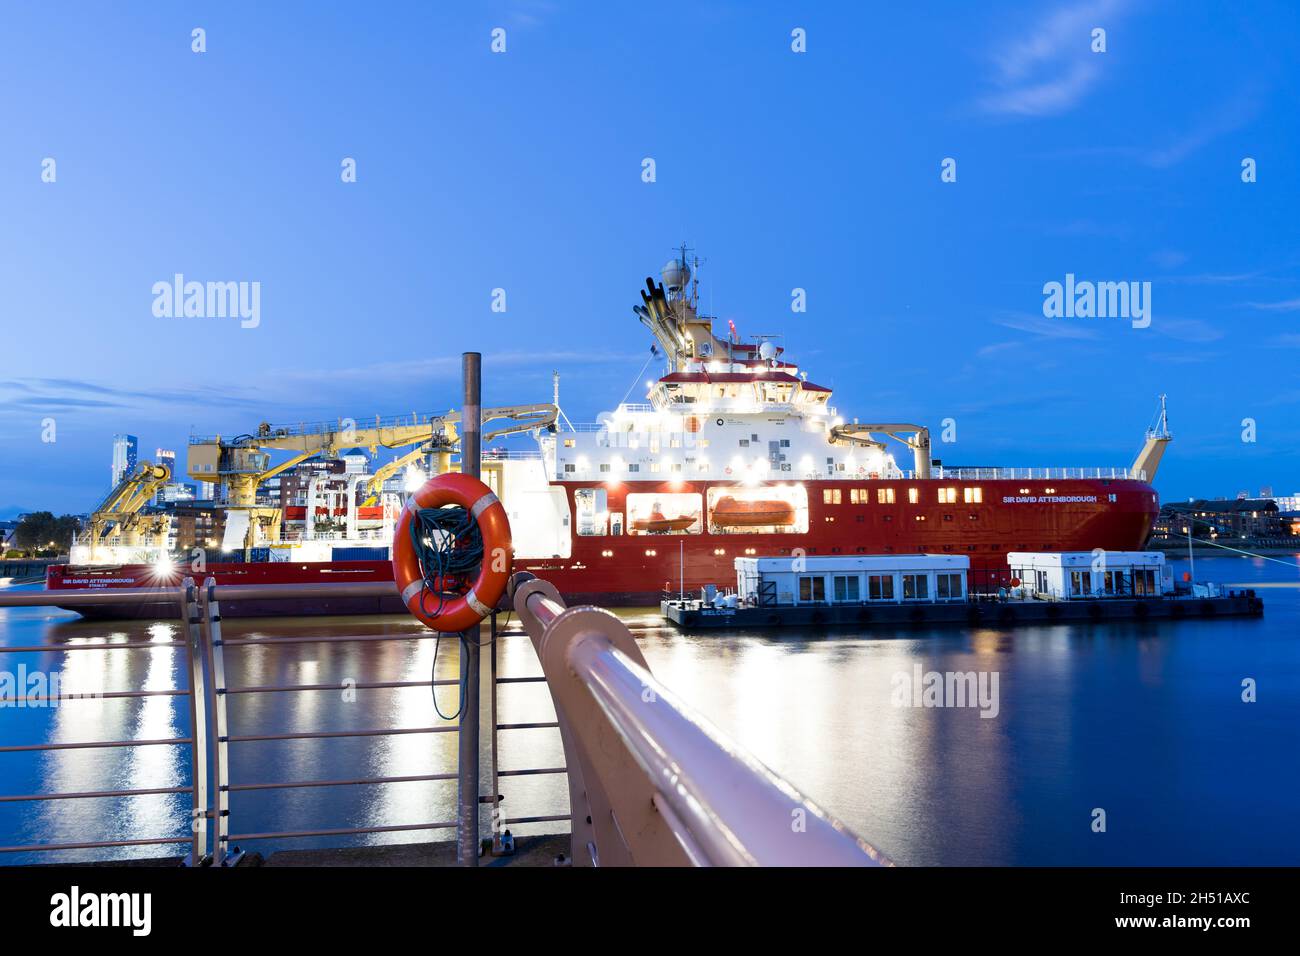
(1241, 518)
(175, 491)
(356, 463)
(1286, 502)
(164, 456)
(198, 527)
(125, 453)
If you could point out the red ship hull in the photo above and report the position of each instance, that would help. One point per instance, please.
(614, 570)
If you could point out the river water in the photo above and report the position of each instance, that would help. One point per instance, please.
(1144, 721)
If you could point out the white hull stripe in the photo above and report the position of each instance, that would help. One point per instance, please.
(487, 501)
(481, 609)
(411, 590)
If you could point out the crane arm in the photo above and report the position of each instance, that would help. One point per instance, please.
(130, 495)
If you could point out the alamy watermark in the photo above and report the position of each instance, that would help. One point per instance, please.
(24, 688)
(1073, 299)
(208, 300)
(946, 689)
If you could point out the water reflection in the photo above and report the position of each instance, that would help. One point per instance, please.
(1143, 719)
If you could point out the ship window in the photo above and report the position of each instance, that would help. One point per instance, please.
(913, 496)
(654, 467)
(569, 443)
(885, 496)
(633, 467)
(831, 496)
(916, 587)
(677, 466)
(664, 513)
(744, 443)
(947, 517)
(947, 496)
(604, 468)
(973, 496)
(569, 469)
(812, 588)
(592, 508)
(675, 441)
(764, 510)
(785, 443)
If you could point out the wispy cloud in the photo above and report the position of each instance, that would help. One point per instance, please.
(1051, 68)
(1230, 114)
(1046, 328)
(1287, 305)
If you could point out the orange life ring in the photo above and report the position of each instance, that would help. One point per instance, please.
(461, 610)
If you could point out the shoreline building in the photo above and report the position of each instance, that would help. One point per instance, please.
(126, 450)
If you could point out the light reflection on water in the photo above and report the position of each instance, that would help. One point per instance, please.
(1141, 719)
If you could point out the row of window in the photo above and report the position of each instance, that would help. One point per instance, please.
(846, 588)
(885, 496)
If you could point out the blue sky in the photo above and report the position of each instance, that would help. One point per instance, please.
(522, 171)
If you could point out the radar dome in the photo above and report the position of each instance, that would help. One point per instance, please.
(767, 351)
(675, 275)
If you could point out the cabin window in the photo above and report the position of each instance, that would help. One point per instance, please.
(913, 496)
(947, 587)
(604, 468)
(831, 496)
(916, 587)
(665, 513)
(1080, 583)
(846, 588)
(633, 467)
(569, 469)
(569, 443)
(947, 496)
(885, 496)
(764, 510)
(592, 509)
(880, 587)
(973, 496)
(812, 589)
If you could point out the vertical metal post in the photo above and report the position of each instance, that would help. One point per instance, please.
(191, 622)
(467, 795)
(222, 853)
(492, 725)
(1191, 554)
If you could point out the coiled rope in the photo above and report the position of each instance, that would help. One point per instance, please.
(449, 547)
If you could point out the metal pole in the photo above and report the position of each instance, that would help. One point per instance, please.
(467, 795)
(495, 797)
(192, 624)
(1191, 555)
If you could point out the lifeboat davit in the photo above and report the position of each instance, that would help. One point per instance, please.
(732, 512)
(656, 523)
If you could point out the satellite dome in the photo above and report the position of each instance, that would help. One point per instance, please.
(675, 275)
(766, 351)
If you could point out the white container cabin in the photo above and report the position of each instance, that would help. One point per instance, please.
(858, 579)
(1083, 575)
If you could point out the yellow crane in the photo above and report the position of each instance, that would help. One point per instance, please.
(240, 464)
(121, 510)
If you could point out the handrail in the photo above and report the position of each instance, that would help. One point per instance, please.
(651, 781)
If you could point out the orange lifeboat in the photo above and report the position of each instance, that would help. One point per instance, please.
(656, 523)
(732, 512)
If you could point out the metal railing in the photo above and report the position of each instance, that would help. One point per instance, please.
(196, 741)
(651, 782)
